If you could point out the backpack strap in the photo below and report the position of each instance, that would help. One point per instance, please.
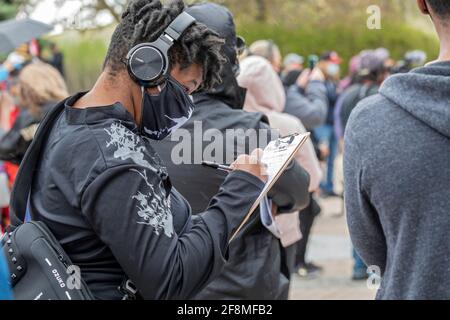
(22, 185)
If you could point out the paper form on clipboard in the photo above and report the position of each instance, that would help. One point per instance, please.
(277, 156)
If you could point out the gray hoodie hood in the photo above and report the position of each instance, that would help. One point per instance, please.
(424, 93)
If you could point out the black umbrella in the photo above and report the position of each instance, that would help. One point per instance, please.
(13, 33)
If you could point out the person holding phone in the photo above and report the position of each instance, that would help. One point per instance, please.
(307, 98)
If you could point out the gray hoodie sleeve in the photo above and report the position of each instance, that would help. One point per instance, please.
(310, 105)
(364, 224)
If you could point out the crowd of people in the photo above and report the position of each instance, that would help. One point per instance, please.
(102, 183)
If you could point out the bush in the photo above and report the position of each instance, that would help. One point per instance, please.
(83, 57)
(84, 52)
(345, 39)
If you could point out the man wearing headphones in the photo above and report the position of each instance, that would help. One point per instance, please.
(101, 188)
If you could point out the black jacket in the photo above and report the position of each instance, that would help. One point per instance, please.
(14, 143)
(253, 270)
(106, 196)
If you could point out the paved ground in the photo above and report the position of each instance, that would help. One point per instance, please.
(330, 247)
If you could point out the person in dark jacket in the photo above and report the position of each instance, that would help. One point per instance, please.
(307, 99)
(57, 59)
(292, 68)
(371, 74)
(104, 192)
(254, 270)
(397, 176)
(38, 88)
(329, 63)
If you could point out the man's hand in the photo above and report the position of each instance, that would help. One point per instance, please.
(317, 75)
(251, 164)
(274, 210)
(307, 75)
(303, 79)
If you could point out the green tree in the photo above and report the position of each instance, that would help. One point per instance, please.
(8, 9)
(87, 15)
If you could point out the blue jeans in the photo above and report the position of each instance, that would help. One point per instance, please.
(359, 267)
(325, 135)
(5, 290)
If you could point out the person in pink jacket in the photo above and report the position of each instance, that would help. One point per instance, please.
(265, 94)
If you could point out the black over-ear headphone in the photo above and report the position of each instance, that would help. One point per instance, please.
(148, 63)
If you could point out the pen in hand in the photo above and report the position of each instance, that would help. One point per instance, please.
(216, 166)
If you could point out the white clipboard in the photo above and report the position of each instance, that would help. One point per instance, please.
(277, 156)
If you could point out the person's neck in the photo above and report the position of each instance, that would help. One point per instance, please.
(443, 32)
(107, 91)
(444, 54)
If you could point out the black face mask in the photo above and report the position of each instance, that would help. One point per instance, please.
(166, 112)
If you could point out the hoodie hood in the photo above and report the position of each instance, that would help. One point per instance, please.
(424, 93)
(220, 20)
(265, 91)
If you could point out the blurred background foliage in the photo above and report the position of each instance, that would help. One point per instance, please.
(301, 26)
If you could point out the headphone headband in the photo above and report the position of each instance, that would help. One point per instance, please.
(178, 26)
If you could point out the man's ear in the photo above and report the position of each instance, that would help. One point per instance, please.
(423, 6)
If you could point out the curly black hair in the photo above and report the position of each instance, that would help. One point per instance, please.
(145, 20)
(441, 7)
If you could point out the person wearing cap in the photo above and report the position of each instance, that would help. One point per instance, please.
(372, 73)
(292, 68)
(411, 60)
(329, 63)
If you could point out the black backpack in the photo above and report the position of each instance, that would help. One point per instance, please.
(39, 267)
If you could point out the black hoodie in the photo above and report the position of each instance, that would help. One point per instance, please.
(253, 268)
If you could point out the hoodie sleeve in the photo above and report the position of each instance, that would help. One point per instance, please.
(364, 224)
(310, 106)
(128, 208)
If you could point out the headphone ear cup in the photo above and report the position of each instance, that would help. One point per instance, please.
(146, 64)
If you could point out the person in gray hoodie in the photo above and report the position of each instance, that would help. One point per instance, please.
(397, 176)
(307, 99)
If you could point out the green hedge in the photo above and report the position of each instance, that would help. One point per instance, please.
(347, 40)
(85, 52)
(83, 57)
